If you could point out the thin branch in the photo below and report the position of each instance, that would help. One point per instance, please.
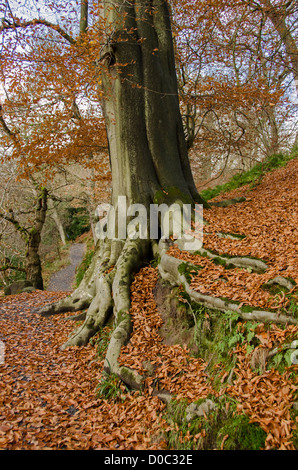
(37, 22)
(6, 129)
(10, 266)
(10, 218)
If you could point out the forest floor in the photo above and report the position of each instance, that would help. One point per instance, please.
(53, 399)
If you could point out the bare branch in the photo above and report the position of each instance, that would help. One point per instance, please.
(5, 267)
(37, 22)
(10, 218)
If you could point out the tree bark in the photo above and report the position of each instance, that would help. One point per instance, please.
(84, 16)
(32, 238)
(57, 220)
(32, 262)
(148, 151)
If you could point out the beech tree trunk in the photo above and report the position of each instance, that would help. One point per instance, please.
(147, 146)
(32, 238)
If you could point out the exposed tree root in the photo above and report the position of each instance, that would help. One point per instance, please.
(78, 300)
(112, 295)
(105, 290)
(282, 282)
(228, 202)
(169, 271)
(105, 256)
(254, 264)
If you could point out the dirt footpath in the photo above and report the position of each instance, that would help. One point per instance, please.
(63, 279)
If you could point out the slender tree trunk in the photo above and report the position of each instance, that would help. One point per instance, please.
(32, 261)
(57, 220)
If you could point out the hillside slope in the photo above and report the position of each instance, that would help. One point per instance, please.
(267, 222)
(267, 225)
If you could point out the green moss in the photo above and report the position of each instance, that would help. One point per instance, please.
(122, 315)
(101, 341)
(291, 280)
(242, 435)
(252, 176)
(82, 268)
(219, 261)
(131, 378)
(215, 336)
(230, 301)
(221, 422)
(233, 235)
(274, 289)
(155, 261)
(171, 195)
(189, 270)
(175, 416)
(8, 276)
(223, 260)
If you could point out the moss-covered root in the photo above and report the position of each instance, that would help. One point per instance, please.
(131, 259)
(81, 298)
(119, 338)
(97, 315)
(169, 271)
(254, 264)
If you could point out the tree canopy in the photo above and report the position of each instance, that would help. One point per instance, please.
(236, 65)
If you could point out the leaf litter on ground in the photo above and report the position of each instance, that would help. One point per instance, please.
(47, 396)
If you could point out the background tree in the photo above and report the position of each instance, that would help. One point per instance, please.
(28, 222)
(235, 82)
